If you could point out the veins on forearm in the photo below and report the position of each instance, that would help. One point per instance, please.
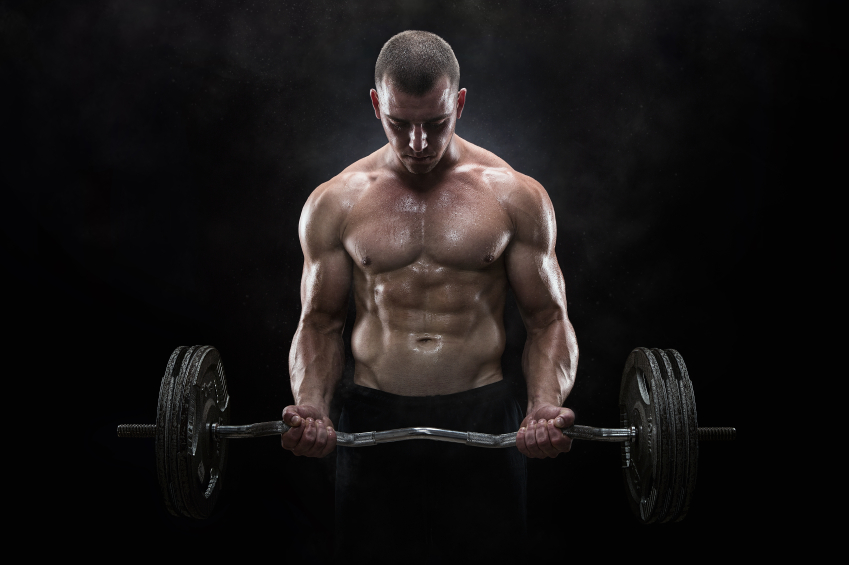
(316, 362)
(549, 362)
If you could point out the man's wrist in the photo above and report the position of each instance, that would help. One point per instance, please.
(537, 403)
(316, 401)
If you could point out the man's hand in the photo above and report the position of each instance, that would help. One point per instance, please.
(541, 434)
(311, 432)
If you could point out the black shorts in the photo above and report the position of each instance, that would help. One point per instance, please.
(423, 501)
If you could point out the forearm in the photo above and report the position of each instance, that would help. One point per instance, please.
(316, 362)
(549, 362)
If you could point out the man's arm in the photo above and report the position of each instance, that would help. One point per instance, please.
(317, 356)
(550, 357)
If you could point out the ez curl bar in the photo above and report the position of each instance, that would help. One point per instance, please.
(659, 436)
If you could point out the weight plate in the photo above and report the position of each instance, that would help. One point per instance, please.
(200, 399)
(175, 438)
(166, 388)
(691, 425)
(674, 426)
(642, 404)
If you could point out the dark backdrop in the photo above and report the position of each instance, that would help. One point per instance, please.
(160, 153)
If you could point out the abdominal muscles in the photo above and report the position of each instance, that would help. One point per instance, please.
(428, 332)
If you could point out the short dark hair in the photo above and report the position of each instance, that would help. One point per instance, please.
(415, 60)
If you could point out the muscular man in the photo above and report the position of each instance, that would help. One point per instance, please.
(431, 231)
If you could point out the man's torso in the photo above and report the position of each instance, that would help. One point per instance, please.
(428, 272)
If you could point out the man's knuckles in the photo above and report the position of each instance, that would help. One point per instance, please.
(320, 437)
(532, 440)
(523, 443)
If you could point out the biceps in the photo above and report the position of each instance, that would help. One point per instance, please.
(325, 283)
(537, 283)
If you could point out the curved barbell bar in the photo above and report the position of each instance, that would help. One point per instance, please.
(363, 439)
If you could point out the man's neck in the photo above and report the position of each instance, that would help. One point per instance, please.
(450, 158)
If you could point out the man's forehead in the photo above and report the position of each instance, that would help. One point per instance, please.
(438, 101)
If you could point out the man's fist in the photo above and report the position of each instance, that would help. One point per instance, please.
(541, 434)
(311, 432)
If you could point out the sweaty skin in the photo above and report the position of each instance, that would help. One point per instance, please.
(431, 231)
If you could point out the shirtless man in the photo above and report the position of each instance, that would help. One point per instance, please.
(431, 231)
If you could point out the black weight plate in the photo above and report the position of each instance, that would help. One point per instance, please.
(166, 388)
(200, 459)
(674, 426)
(173, 428)
(642, 404)
(691, 424)
(178, 421)
(207, 458)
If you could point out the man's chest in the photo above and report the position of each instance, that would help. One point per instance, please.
(458, 227)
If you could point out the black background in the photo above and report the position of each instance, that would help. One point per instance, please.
(159, 154)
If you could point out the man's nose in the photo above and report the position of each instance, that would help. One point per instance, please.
(418, 138)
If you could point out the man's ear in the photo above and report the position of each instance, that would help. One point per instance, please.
(375, 102)
(461, 102)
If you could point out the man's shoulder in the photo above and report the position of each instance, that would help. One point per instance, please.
(339, 194)
(508, 185)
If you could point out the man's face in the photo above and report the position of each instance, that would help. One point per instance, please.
(419, 128)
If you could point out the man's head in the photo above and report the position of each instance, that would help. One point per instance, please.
(416, 98)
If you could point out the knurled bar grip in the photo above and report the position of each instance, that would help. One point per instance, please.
(472, 438)
(717, 434)
(137, 430)
(468, 438)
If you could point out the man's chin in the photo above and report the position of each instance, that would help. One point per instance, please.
(419, 168)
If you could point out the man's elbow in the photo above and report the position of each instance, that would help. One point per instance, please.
(550, 320)
(321, 322)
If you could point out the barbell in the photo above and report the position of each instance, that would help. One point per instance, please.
(659, 434)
